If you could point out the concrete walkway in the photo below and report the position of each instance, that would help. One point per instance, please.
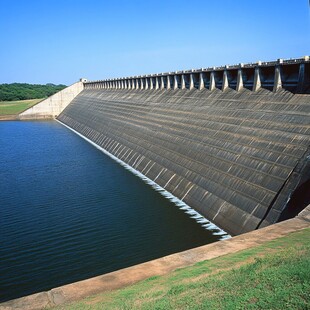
(161, 266)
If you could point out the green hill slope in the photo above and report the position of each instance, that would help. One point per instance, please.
(24, 91)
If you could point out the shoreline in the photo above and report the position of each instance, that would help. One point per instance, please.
(161, 266)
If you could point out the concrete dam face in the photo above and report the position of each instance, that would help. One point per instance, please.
(231, 142)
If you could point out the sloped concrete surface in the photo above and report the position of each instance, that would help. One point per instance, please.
(53, 105)
(235, 157)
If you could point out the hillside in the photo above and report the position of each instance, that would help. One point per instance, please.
(24, 91)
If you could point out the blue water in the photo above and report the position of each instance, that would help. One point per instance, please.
(68, 212)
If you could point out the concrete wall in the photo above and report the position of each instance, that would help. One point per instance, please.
(233, 144)
(53, 105)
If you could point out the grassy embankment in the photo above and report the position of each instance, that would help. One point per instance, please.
(272, 276)
(17, 97)
(16, 107)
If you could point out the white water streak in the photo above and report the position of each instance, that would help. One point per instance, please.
(182, 205)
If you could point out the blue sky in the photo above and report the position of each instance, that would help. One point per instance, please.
(44, 41)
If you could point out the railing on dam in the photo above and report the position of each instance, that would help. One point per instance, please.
(291, 74)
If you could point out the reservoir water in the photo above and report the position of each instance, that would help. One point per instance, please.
(68, 212)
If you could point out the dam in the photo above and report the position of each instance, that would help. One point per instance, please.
(232, 142)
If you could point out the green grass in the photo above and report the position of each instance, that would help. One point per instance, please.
(275, 275)
(16, 107)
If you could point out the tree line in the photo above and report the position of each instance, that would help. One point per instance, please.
(24, 91)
